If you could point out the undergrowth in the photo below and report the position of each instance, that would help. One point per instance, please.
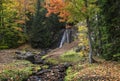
(81, 70)
(71, 56)
(17, 71)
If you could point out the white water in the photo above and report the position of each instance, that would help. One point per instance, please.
(65, 38)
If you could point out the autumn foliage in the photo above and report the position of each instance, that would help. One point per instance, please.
(26, 6)
(57, 7)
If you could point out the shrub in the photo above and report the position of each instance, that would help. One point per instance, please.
(11, 38)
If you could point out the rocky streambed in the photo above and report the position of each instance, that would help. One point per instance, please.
(54, 72)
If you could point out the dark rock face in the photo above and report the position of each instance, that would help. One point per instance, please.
(54, 73)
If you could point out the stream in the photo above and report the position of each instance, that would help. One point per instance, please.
(52, 73)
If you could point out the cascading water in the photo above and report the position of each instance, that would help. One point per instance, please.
(65, 37)
(62, 40)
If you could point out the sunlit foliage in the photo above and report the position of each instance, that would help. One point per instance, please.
(57, 7)
(83, 40)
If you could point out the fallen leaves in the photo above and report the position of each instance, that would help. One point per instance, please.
(106, 71)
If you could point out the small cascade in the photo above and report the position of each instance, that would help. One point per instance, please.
(65, 37)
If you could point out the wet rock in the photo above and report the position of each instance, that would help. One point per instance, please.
(25, 56)
(34, 78)
(38, 59)
(17, 52)
(30, 56)
(43, 52)
(43, 71)
(66, 65)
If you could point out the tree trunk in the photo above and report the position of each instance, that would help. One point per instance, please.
(25, 29)
(1, 16)
(100, 41)
(89, 35)
(90, 41)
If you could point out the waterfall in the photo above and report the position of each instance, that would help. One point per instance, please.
(65, 37)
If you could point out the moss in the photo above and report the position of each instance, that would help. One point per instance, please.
(52, 61)
(45, 66)
(17, 71)
(71, 56)
(4, 47)
(44, 57)
(70, 74)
